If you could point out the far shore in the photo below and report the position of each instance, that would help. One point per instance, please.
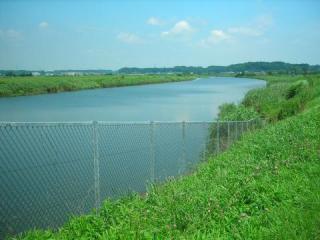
(34, 85)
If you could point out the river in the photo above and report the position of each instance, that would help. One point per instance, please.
(196, 100)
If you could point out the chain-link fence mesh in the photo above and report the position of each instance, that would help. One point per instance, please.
(51, 171)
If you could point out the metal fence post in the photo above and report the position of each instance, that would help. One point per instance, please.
(184, 160)
(152, 152)
(96, 165)
(218, 136)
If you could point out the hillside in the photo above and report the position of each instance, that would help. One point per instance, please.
(276, 67)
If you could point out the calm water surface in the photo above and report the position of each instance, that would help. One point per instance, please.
(196, 100)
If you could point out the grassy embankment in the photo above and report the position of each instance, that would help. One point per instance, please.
(266, 186)
(19, 86)
(283, 97)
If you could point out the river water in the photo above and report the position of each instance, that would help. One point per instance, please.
(196, 100)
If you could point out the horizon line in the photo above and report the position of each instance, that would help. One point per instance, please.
(106, 69)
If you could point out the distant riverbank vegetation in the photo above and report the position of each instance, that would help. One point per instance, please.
(21, 82)
(32, 85)
(251, 68)
(240, 69)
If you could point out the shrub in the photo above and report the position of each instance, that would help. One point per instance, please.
(233, 112)
(296, 88)
(288, 109)
(283, 97)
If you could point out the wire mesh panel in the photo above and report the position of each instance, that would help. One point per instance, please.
(238, 130)
(125, 158)
(213, 143)
(223, 136)
(46, 175)
(51, 171)
(195, 142)
(169, 159)
(232, 129)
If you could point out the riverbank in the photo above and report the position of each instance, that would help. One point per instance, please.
(265, 186)
(23, 86)
(284, 96)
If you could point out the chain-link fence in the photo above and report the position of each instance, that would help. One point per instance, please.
(51, 171)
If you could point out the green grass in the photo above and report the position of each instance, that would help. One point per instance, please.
(284, 95)
(19, 86)
(233, 112)
(266, 186)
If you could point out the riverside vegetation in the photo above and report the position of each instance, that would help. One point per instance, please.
(28, 85)
(265, 186)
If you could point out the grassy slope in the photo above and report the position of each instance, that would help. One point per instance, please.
(18, 86)
(265, 186)
(284, 96)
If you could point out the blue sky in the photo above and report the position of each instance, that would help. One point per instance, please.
(47, 35)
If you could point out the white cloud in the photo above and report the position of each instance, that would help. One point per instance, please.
(219, 35)
(10, 34)
(256, 29)
(154, 21)
(215, 37)
(180, 28)
(245, 31)
(43, 25)
(13, 33)
(130, 38)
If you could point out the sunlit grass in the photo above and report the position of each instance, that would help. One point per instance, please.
(18, 86)
(284, 95)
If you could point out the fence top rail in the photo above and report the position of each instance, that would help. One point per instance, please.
(85, 123)
(13, 124)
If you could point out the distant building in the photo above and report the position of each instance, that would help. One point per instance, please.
(35, 74)
(73, 73)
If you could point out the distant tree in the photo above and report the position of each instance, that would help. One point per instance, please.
(9, 74)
